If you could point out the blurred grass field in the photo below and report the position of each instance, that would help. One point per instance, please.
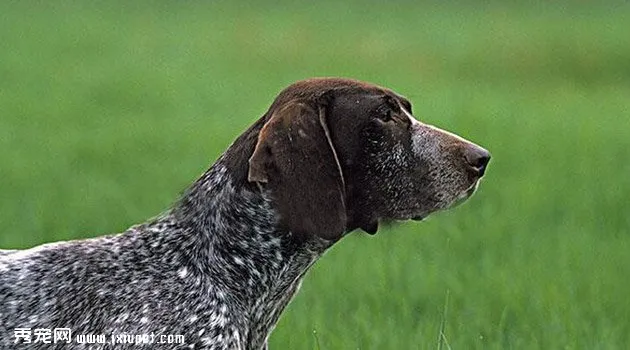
(108, 110)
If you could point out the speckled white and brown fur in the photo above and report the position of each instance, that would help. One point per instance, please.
(221, 265)
(221, 280)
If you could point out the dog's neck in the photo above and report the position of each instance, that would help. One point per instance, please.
(235, 227)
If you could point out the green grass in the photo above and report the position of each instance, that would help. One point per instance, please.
(109, 109)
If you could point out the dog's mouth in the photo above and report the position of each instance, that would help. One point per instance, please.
(470, 190)
(461, 198)
(414, 215)
(467, 193)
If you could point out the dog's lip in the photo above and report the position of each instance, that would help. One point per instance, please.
(465, 194)
(473, 188)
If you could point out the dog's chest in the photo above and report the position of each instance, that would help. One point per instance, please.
(283, 286)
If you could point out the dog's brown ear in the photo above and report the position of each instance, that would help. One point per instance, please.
(296, 160)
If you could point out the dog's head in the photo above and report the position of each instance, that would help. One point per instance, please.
(339, 154)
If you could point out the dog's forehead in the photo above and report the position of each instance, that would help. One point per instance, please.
(334, 83)
(316, 87)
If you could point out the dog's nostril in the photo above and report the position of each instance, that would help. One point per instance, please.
(477, 158)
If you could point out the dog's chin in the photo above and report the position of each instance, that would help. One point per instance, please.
(412, 216)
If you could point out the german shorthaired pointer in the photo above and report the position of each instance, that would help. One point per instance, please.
(219, 267)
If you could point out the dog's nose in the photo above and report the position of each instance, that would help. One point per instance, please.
(477, 158)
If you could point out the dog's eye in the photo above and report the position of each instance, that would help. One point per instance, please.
(384, 112)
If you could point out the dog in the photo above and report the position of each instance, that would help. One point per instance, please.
(217, 269)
